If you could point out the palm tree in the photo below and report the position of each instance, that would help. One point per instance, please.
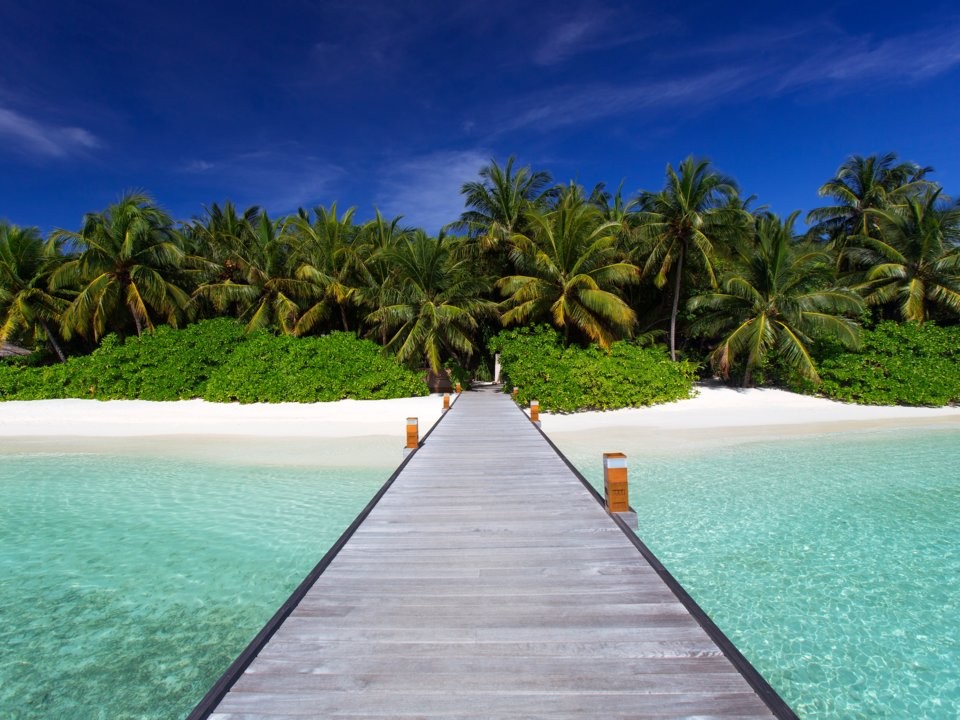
(861, 186)
(222, 234)
(614, 208)
(433, 303)
(774, 303)
(497, 202)
(219, 238)
(496, 211)
(264, 291)
(128, 256)
(685, 220)
(568, 269)
(27, 308)
(326, 257)
(375, 240)
(915, 261)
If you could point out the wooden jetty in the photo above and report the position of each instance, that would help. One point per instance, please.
(486, 581)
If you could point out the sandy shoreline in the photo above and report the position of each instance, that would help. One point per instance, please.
(349, 433)
(141, 418)
(370, 432)
(721, 416)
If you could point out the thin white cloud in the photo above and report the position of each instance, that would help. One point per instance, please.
(842, 66)
(26, 136)
(426, 189)
(595, 28)
(568, 106)
(198, 166)
(816, 56)
(568, 38)
(279, 180)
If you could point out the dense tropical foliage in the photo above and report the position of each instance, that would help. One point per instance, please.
(776, 301)
(733, 290)
(568, 378)
(217, 360)
(568, 271)
(685, 222)
(898, 364)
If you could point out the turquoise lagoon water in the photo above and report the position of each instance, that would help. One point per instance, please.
(128, 585)
(832, 562)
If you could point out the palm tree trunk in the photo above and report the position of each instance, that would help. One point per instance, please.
(343, 317)
(676, 304)
(53, 341)
(136, 321)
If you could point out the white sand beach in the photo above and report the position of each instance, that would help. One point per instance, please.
(348, 433)
(722, 416)
(131, 418)
(371, 432)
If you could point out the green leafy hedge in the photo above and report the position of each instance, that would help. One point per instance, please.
(287, 369)
(216, 360)
(576, 378)
(898, 364)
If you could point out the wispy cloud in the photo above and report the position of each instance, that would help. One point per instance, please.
(844, 65)
(280, 180)
(375, 41)
(568, 106)
(426, 189)
(566, 35)
(569, 37)
(25, 136)
(774, 65)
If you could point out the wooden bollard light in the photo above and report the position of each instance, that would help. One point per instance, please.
(459, 389)
(535, 411)
(446, 401)
(516, 391)
(413, 436)
(615, 492)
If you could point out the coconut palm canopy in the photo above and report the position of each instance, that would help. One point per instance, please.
(733, 286)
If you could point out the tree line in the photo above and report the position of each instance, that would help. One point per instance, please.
(692, 262)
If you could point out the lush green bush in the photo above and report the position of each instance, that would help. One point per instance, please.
(576, 378)
(216, 360)
(267, 368)
(21, 382)
(898, 364)
(166, 364)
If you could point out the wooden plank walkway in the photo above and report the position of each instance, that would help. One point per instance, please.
(487, 582)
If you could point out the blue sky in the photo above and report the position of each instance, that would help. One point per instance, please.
(292, 103)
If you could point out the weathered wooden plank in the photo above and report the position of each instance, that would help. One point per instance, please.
(492, 704)
(551, 678)
(467, 663)
(615, 650)
(487, 582)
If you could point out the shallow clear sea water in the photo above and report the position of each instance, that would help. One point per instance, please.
(832, 562)
(128, 585)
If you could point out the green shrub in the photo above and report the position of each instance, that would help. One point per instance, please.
(898, 364)
(287, 369)
(576, 378)
(216, 360)
(21, 382)
(167, 364)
